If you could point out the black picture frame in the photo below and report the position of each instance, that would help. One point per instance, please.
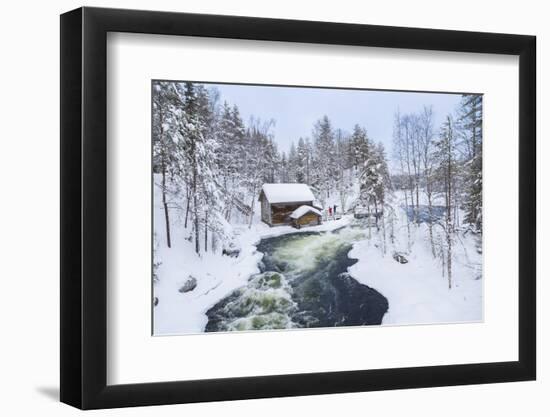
(84, 207)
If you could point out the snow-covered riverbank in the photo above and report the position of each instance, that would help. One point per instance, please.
(417, 292)
(216, 275)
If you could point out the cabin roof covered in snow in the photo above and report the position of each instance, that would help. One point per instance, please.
(287, 193)
(300, 211)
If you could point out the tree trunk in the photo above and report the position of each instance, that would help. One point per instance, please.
(417, 201)
(449, 213)
(195, 209)
(408, 163)
(376, 215)
(163, 168)
(343, 194)
(368, 212)
(448, 235)
(229, 208)
(252, 207)
(408, 221)
(214, 242)
(442, 255)
(206, 230)
(307, 169)
(383, 230)
(449, 259)
(430, 215)
(165, 204)
(188, 203)
(392, 231)
(416, 168)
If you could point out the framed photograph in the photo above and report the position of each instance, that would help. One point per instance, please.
(256, 208)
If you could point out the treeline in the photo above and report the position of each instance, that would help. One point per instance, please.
(208, 160)
(334, 160)
(444, 163)
(212, 164)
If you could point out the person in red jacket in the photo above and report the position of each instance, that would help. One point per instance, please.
(330, 212)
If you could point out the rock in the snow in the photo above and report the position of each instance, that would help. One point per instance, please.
(189, 285)
(399, 257)
(232, 249)
(231, 252)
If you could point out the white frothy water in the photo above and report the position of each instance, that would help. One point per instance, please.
(266, 302)
(304, 254)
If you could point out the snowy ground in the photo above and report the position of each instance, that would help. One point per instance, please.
(417, 292)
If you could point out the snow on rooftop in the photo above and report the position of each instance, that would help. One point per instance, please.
(300, 211)
(287, 193)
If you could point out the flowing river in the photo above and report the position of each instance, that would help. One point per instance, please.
(303, 283)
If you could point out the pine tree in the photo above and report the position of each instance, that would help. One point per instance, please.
(372, 179)
(292, 164)
(194, 150)
(210, 195)
(163, 147)
(257, 160)
(309, 161)
(324, 161)
(371, 184)
(231, 150)
(301, 161)
(470, 120)
(282, 164)
(386, 184)
(272, 161)
(343, 175)
(359, 147)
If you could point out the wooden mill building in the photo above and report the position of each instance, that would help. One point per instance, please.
(288, 204)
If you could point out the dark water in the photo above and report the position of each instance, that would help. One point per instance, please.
(303, 283)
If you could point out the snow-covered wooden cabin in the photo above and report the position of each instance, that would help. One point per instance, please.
(281, 201)
(305, 216)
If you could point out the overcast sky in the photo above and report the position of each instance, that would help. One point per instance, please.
(296, 109)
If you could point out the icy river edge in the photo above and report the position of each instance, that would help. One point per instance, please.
(416, 292)
(217, 277)
(304, 282)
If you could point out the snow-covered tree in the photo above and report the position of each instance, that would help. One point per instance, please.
(302, 155)
(358, 147)
(272, 160)
(343, 176)
(257, 161)
(446, 170)
(469, 123)
(283, 168)
(292, 164)
(164, 161)
(372, 180)
(400, 155)
(324, 164)
(195, 147)
(426, 149)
